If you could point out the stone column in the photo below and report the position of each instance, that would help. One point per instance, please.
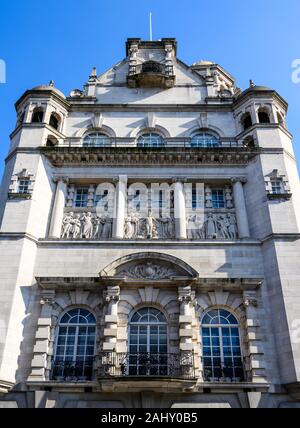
(240, 207)
(256, 361)
(41, 350)
(112, 296)
(186, 298)
(120, 207)
(179, 209)
(58, 207)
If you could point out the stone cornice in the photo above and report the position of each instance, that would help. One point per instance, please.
(199, 284)
(136, 156)
(218, 106)
(42, 93)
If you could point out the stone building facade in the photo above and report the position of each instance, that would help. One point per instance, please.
(150, 242)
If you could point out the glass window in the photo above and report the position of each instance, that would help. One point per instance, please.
(204, 140)
(218, 198)
(150, 139)
(276, 186)
(81, 197)
(148, 343)
(96, 139)
(24, 185)
(221, 348)
(75, 346)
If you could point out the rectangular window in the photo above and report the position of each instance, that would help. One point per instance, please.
(24, 185)
(81, 197)
(218, 198)
(276, 186)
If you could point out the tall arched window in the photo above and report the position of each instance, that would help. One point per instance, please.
(96, 139)
(148, 343)
(37, 115)
(246, 121)
(263, 116)
(54, 121)
(204, 139)
(75, 346)
(222, 356)
(151, 139)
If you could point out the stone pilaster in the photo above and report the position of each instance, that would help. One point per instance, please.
(42, 338)
(120, 207)
(240, 207)
(179, 209)
(58, 207)
(112, 296)
(256, 363)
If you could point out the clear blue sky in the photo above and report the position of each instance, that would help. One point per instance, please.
(63, 40)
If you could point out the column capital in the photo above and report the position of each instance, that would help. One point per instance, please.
(112, 293)
(58, 178)
(238, 180)
(118, 178)
(186, 294)
(250, 298)
(179, 179)
(47, 297)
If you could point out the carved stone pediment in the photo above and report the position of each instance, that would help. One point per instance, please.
(148, 270)
(149, 266)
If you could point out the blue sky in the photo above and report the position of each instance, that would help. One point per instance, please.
(62, 40)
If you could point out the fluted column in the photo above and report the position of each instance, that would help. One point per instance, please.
(240, 207)
(120, 207)
(58, 207)
(179, 209)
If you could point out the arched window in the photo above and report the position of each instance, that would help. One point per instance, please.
(148, 343)
(96, 139)
(204, 139)
(246, 121)
(54, 121)
(151, 139)
(221, 346)
(51, 141)
(75, 346)
(263, 117)
(37, 115)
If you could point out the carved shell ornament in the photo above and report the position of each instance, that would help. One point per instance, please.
(148, 271)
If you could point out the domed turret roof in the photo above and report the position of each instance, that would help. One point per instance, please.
(49, 87)
(203, 62)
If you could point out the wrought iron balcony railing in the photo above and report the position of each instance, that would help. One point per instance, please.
(169, 143)
(215, 370)
(70, 371)
(113, 364)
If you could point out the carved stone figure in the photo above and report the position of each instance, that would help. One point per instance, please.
(76, 226)
(87, 230)
(98, 226)
(221, 226)
(211, 230)
(106, 228)
(232, 227)
(67, 225)
(129, 230)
